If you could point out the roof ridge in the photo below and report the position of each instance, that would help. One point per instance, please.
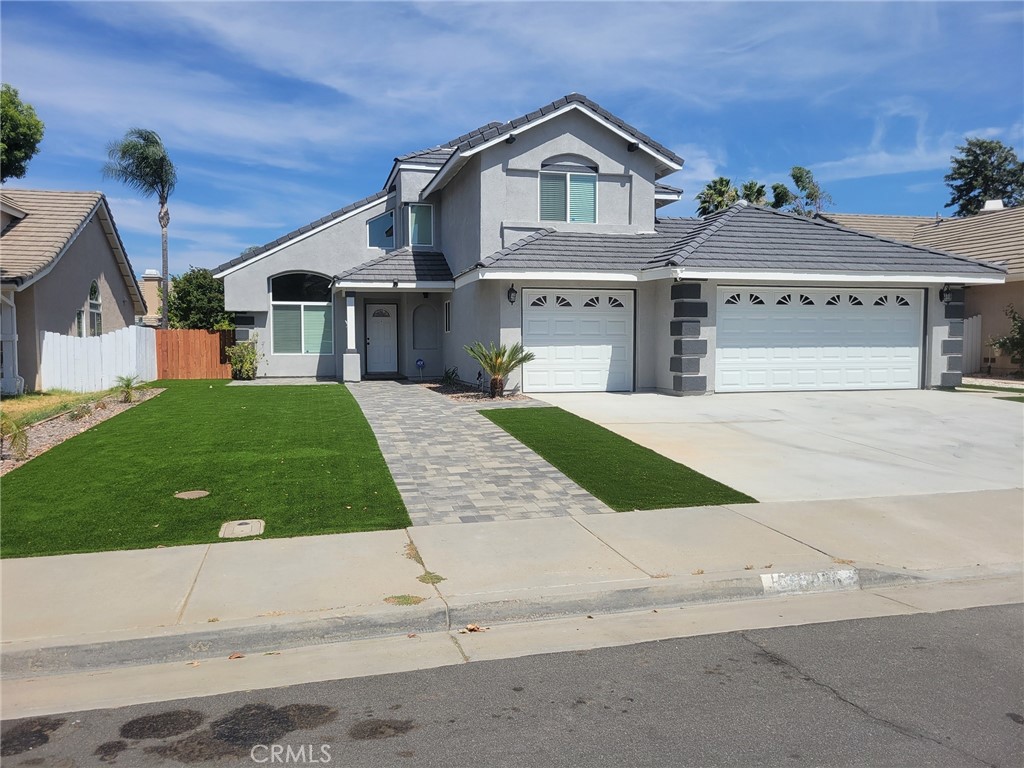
(710, 228)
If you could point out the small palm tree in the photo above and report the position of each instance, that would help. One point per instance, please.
(498, 362)
(14, 434)
(126, 387)
(140, 162)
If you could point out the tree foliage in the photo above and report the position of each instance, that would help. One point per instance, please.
(808, 199)
(984, 169)
(197, 301)
(21, 130)
(1012, 344)
(140, 162)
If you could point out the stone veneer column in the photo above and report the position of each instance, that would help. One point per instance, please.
(689, 312)
(953, 347)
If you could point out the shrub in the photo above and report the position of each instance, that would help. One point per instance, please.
(126, 387)
(245, 359)
(450, 376)
(1012, 344)
(498, 362)
(13, 433)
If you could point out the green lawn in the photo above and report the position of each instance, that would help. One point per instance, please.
(1019, 399)
(987, 388)
(619, 472)
(302, 458)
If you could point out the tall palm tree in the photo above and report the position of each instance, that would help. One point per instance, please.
(716, 196)
(754, 192)
(140, 162)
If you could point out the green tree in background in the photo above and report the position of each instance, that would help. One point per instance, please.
(984, 169)
(140, 162)
(197, 301)
(20, 133)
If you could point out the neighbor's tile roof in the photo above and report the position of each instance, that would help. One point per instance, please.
(892, 227)
(666, 189)
(742, 237)
(300, 231)
(52, 218)
(404, 265)
(994, 237)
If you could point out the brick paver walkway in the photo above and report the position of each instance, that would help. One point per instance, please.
(452, 465)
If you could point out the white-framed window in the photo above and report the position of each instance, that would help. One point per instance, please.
(380, 231)
(568, 196)
(95, 310)
(302, 319)
(447, 317)
(421, 224)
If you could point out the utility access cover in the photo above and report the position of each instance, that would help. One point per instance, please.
(236, 529)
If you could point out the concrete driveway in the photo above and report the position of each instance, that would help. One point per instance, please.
(791, 446)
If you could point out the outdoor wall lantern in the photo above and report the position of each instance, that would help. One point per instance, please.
(945, 294)
(512, 294)
(394, 283)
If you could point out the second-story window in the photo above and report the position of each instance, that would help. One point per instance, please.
(568, 197)
(381, 231)
(421, 224)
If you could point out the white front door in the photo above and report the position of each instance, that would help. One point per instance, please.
(582, 339)
(817, 338)
(381, 338)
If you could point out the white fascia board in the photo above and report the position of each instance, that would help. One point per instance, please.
(546, 276)
(12, 210)
(388, 285)
(445, 171)
(53, 262)
(304, 235)
(857, 278)
(405, 166)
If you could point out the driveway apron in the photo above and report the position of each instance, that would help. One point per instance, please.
(452, 465)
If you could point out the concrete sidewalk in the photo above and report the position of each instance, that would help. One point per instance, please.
(97, 611)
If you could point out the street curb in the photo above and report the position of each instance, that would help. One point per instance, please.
(175, 645)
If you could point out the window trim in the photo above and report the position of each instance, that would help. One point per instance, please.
(568, 194)
(95, 310)
(448, 317)
(408, 219)
(373, 219)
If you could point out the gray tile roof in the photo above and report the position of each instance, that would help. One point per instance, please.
(743, 237)
(404, 265)
(660, 188)
(494, 131)
(300, 231)
(442, 152)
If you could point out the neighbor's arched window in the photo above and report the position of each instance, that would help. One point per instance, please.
(568, 189)
(95, 310)
(302, 321)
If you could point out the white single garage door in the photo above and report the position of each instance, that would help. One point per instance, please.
(582, 339)
(817, 338)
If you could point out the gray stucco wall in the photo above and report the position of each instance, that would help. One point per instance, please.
(51, 303)
(476, 309)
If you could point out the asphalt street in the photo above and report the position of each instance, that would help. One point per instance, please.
(944, 689)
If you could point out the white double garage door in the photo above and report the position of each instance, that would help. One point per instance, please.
(817, 339)
(766, 339)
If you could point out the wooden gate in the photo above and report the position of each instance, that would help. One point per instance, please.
(193, 354)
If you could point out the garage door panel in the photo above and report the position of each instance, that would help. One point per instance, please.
(818, 338)
(582, 339)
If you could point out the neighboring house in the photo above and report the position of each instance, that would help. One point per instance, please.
(544, 230)
(995, 236)
(64, 269)
(151, 294)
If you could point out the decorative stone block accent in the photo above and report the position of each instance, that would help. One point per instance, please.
(686, 290)
(956, 329)
(955, 363)
(951, 379)
(688, 329)
(952, 346)
(690, 385)
(954, 311)
(691, 309)
(684, 364)
(958, 296)
(691, 347)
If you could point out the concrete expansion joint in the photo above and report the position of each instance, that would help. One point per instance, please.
(192, 586)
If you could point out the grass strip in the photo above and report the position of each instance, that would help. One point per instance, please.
(302, 458)
(619, 472)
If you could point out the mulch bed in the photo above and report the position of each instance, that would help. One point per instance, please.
(43, 435)
(467, 392)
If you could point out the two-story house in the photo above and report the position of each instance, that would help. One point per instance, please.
(544, 230)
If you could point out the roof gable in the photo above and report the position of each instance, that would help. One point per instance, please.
(51, 221)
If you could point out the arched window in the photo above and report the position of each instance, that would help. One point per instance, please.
(95, 310)
(424, 327)
(303, 323)
(568, 189)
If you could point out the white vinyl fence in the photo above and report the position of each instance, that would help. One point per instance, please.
(972, 344)
(93, 363)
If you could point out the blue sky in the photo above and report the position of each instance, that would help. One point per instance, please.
(278, 113)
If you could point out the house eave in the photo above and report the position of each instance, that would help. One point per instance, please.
(789, 277)
(393, 285)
